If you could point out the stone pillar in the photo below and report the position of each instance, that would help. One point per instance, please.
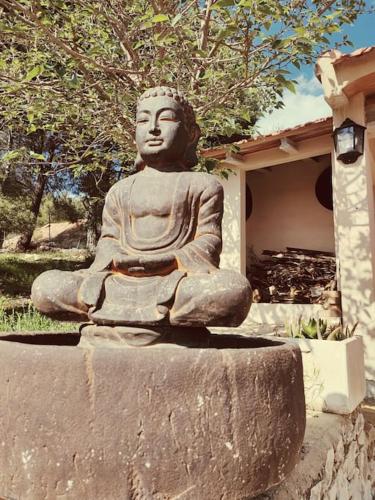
(355, 235)
(234, 222)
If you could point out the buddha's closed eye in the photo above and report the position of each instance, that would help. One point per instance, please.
(168, 118)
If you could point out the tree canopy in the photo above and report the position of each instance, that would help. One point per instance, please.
(74, 68)
(71, 71)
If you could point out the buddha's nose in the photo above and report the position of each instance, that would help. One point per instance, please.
(154, 127)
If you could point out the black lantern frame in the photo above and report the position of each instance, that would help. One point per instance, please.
(349, 141)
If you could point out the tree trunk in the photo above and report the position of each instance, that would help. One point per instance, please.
(2, 238)
(91, 238)
(94, 210)
(24, 241)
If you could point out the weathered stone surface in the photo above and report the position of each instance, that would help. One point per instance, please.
(309, 479)
(355, 485)
(367, 490)
(342, 485)
(362, 462)
(130, 336)
(362, 438)
(359, 425)
(340, 452)
(349, 463)
(328, 471)
(145, 423)
(316, 492)
(332, 494)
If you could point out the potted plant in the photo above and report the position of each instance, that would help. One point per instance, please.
(333, 364)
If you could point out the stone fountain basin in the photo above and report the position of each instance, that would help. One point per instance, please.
(162, 422)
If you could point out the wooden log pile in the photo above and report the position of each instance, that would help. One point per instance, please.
(293, 276)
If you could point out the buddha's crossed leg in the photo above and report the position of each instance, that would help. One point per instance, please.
(56, 294)
(221, 298)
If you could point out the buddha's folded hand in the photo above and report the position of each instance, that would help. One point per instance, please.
(158, 262)
(124, 262)
(146, 264)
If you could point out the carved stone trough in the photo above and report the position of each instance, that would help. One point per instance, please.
(159, 422)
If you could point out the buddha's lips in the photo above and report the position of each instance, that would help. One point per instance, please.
(154, 142)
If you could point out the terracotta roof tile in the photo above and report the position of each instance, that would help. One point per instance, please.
(295, 128)
(220, 150)
(356, 53)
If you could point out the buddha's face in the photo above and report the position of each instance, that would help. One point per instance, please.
(161, 135)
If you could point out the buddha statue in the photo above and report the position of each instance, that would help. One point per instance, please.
(157, 260)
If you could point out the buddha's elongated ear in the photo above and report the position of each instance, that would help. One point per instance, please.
(195, 133)
(191, 158)
(139, 164)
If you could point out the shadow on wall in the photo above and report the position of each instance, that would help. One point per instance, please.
(279, 314)
(232, 222)
(355, 253)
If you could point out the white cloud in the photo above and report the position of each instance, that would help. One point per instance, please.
(306, 105)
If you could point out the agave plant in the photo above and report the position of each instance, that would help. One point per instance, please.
(318, 329)
(338, 332)
(314, 329)
(293, 329)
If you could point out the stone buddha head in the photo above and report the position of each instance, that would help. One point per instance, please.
(166, 131)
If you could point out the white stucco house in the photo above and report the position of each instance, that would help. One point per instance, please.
(281, 171)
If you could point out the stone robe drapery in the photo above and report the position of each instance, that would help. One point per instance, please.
(192, 233)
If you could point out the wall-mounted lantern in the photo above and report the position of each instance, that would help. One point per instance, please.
(349, 141)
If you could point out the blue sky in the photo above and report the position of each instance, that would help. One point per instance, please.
(308, 103)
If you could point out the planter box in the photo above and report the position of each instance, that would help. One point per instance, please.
(333, 372)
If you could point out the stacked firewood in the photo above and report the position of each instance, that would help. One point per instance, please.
(293, 276)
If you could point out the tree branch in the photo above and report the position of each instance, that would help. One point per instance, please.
(205, 25)
(326, 7)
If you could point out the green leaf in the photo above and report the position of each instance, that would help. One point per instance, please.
(165, 40)
(246, 3)
(31, 128)
(176, 19)
(139, 44)
(277, 44)
(10, 155)
(36, 71)
(36, 156)
(290, 85)
(146, 25)
(159, 18)
(74, 82)
(222, 3)
(300, 31)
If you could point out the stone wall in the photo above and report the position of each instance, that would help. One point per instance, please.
(337, 461)
(350, 468)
